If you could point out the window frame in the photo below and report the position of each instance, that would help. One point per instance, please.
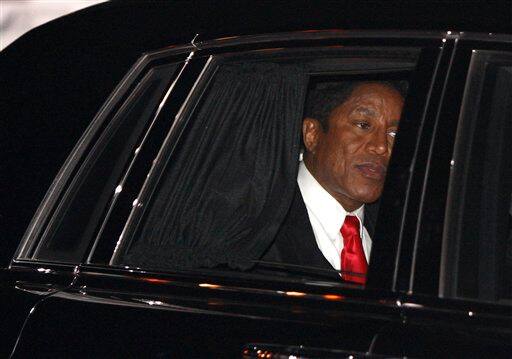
(459, 172)
(376, 283)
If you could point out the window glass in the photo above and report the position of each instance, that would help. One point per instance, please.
(225, 183)
(477, 258)
(76, 219)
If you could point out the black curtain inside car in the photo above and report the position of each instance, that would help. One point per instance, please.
(231, 179)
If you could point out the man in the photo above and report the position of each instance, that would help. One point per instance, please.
(348, 136)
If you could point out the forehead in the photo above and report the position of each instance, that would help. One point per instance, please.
(371, 100)
(376, 91)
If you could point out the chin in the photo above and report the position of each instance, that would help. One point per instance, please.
(368, 196)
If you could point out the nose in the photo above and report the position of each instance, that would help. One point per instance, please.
(378, 143)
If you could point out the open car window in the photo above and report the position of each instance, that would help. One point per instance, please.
(225, 179)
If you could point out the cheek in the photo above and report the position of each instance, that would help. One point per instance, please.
(338, 160)
(350, 143)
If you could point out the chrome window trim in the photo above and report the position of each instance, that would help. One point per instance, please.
(135, 156)
(159, 161)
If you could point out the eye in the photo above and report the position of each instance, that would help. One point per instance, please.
(363, 125)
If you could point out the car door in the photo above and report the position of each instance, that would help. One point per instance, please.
(94, 209)
(461, 260)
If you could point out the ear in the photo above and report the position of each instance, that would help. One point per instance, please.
(311, 131)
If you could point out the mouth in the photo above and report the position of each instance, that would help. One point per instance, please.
(372, 170)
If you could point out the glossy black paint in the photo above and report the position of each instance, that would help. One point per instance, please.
(135, 313)
(99, 311)
(22, 289)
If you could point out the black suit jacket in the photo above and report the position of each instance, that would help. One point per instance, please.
(295, 241)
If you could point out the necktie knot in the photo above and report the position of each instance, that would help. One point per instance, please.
(350, 226)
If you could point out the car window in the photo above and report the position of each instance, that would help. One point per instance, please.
(69, 232)
(224, 181)
(477, 244)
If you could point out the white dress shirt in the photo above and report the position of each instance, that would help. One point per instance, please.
(327, 215)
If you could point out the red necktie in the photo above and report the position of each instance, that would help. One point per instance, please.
(352, 255)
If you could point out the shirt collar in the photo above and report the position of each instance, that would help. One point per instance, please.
(328, 211)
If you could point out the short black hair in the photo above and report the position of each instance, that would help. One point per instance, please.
(325, 97)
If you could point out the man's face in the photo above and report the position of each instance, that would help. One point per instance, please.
(350, 159)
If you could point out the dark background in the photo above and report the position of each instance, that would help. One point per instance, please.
(55, 77)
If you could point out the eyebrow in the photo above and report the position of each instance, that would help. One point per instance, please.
(365, 111)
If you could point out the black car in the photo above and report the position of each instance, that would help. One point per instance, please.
(146, 242)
